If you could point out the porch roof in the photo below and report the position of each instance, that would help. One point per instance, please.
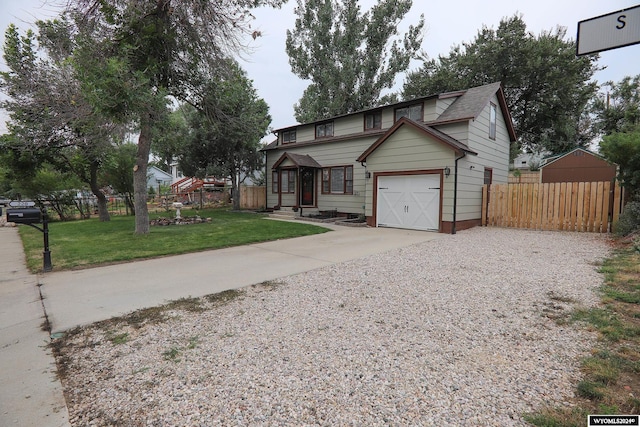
(299, 160)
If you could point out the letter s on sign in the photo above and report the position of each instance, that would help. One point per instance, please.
(621, 22)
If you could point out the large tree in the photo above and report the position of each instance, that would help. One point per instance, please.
(617, 107)
(349, 56)
(547, 87)
(226, 130)
(50, 119)
(138, 53)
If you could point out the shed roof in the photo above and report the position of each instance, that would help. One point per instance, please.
(552, 159)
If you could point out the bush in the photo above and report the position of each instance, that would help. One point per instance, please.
(629, 220)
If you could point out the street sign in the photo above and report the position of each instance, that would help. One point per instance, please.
(610, 31)
(22, 204)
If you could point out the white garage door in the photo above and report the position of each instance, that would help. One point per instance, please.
(409, 201)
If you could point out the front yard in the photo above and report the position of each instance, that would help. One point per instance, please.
(88, 243)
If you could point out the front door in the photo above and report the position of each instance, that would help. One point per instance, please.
(307, 186)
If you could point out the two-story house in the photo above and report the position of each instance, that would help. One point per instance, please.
(417, 164)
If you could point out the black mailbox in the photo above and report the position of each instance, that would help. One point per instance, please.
(24, 216)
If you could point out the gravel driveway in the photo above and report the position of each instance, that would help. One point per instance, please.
(456, 331)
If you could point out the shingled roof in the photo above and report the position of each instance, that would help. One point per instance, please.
(470, 104)
(299, 160)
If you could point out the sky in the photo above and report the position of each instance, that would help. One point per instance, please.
(447, 23)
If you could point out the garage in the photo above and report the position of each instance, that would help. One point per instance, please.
(409, 201)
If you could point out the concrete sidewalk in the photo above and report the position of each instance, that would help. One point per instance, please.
(31, 394)
(30, 391)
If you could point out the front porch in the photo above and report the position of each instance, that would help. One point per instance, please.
(294, 180)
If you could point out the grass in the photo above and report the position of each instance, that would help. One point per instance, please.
(88, 243)
(611, 373)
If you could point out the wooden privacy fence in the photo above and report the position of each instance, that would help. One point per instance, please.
(568, 206)
(253, 197)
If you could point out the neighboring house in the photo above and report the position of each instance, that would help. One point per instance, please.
(578, 165)
(157, 177)
(176, 173)
(417, 164)
(528, 161)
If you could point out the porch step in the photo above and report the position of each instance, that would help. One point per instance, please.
(283, 214)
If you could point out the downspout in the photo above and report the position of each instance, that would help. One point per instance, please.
(455, 191)
(266, 182)
(364, 206)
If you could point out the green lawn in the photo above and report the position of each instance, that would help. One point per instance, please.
(90, 242)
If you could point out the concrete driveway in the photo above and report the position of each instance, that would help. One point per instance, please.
(73, 298)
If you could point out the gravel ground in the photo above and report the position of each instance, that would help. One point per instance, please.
(456, 331)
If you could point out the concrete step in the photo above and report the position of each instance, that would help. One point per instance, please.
(283, 214)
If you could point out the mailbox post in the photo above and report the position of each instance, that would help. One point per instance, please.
(31, 216)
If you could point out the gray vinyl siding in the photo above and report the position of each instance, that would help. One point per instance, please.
(492, 154)
(348, 125)
(459, 131)
(443, 104)
(328, 154)
(430, 111)
(409, 150)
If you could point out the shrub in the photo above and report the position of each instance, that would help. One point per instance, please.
(629, 220)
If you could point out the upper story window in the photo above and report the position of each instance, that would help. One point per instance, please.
(492, 121)
(413, 112)
(288, 136)
(373, 120)
(324, 130)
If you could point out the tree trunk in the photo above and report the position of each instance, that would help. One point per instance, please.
(235, 190)
(140, 175)
(103, 212)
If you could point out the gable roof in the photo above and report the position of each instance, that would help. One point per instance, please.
(552, 159)
(441, 137)
(300, 160)
(156, 171)
(470, 104)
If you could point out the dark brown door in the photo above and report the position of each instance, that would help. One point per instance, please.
(307, 182)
